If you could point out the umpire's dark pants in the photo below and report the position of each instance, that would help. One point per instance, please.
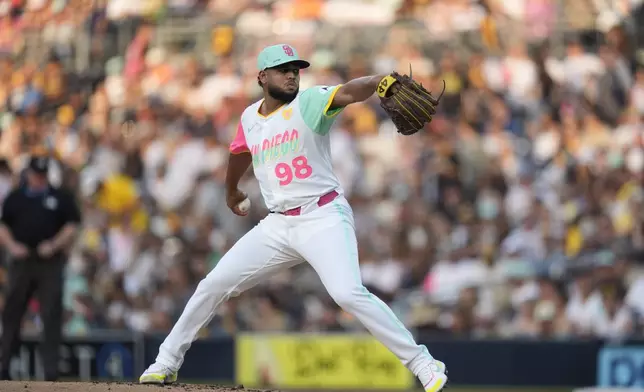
(44, 277)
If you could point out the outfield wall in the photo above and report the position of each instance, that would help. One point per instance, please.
(343, 361)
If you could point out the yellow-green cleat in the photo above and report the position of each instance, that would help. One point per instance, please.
(159, 375)
(433, 377)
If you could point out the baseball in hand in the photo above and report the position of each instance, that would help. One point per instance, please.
(244, 205)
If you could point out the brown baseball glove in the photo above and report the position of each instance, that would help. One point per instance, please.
(407, 102)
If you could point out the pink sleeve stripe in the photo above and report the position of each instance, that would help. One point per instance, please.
(238, 145)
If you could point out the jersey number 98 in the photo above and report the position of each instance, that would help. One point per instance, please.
(299, 168)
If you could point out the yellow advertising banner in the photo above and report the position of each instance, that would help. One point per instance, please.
(318, 361)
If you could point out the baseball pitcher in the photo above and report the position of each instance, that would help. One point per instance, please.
(285, 137)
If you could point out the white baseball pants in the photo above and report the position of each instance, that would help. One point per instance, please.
(325, 238)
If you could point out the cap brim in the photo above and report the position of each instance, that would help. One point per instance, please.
(300, 63)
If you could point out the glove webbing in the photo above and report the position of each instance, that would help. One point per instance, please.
(401, 105)
(410, 94)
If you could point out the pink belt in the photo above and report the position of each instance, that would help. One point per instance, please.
(323, 200)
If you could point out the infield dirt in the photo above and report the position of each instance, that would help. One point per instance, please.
(37, 386)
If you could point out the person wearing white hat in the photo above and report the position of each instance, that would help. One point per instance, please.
(285, 137)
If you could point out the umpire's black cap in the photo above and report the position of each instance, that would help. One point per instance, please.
(39, 164)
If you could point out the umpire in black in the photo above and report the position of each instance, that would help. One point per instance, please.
(37, 226)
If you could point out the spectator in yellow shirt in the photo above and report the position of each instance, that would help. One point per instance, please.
(118, 196)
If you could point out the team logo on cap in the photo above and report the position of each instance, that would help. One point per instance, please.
(288, 50)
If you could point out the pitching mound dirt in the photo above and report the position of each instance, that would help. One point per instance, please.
(35, 386)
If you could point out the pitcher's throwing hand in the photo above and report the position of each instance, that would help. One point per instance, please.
(233, 200)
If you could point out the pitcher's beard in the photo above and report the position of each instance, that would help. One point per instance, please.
(281, 95)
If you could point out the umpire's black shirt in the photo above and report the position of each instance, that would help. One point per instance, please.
(35, 217)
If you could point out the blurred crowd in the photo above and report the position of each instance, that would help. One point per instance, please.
(518, 213)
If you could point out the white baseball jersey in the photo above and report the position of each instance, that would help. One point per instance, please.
(291, 149)
(291, 157)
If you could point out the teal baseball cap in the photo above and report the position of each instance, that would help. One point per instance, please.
(276, 55)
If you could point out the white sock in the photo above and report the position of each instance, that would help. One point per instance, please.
(421, 361)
